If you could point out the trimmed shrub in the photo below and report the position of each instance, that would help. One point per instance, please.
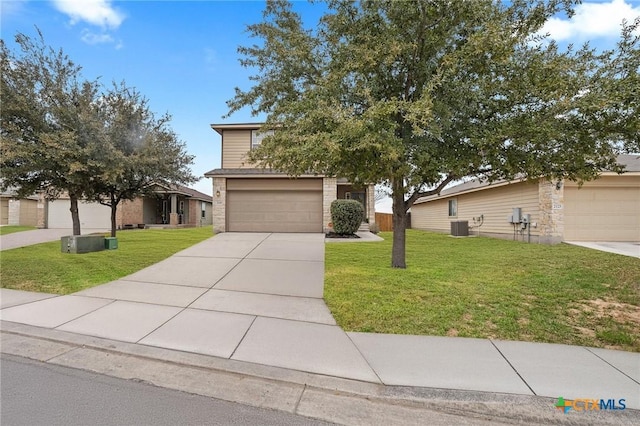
(346, 215)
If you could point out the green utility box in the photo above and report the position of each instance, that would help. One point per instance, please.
(110, 243)
(82, 243)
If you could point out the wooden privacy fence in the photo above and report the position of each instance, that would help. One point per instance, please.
(384, 221)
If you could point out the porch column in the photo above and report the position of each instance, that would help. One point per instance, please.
(329, 194)
(173, 215)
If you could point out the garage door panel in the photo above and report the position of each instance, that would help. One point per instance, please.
(92, 215)
(275, 210)
(4, 211)
(602, 214)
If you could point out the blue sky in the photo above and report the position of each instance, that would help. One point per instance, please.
(182, 54)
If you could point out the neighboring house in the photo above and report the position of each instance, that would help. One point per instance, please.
(606, 209)
(169, 206)
(18, 211)
(250, 199)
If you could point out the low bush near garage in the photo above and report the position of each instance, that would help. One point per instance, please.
(346, 215)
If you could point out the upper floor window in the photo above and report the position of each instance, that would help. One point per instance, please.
(257, 136)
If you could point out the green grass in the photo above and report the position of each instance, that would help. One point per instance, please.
(486, 288)
(10, 229)
(44, 268)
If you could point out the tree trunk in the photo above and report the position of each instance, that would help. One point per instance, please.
(75, 217)
(399, 227)
(114, 209)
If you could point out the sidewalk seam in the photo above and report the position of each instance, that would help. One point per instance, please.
(513, 368)
(84, 315)
(362, 355)
(613, 366)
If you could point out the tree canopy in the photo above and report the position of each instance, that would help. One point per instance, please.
(62, 133)
(418, 95)
(143, 150)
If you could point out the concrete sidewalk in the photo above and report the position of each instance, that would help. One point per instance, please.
(37, 236)
(257, 298)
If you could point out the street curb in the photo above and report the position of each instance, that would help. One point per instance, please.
(317, 396)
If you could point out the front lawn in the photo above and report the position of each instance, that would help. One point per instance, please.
(10, 229)
(486, 288)
(44, 268)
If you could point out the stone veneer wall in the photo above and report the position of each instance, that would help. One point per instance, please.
(329, 193)
(194, 210)
(371, 203)
(551, 201)
(14, 212)
(219, 204)
(42, 208)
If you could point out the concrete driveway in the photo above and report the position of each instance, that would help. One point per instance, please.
(37, 236)
(624, 248)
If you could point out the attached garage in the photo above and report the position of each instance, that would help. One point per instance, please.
(274, 205)
(607, 209)
(4, 211)
(92, 215)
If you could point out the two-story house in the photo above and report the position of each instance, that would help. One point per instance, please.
(251, 199)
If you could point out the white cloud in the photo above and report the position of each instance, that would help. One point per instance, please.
(592, 20)
(93, 38)
(12, 8)
(95, 12)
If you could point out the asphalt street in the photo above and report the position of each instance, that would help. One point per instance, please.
(35, 393)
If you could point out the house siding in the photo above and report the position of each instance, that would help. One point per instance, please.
(235, 145)
(495, 204)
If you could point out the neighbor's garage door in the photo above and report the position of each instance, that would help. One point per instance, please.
(4, 211)
(92, 215)
(599, 213)
(274, 205)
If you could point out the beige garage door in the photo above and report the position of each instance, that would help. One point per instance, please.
(4, 211)
(274, 205)
(602, 214)
(92, 215)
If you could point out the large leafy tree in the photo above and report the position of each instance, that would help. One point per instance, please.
(141, 151)
(48, 122)
(418, 95)
(62, 133)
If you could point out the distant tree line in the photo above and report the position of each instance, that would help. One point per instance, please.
(62, 133)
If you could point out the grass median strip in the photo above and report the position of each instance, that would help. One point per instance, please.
(486, 288)
(10, 229)
(44, 268)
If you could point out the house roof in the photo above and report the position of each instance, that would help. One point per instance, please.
(250, 172)
(183, 190)
(630, 161)
(11, 192)
(235, 126)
